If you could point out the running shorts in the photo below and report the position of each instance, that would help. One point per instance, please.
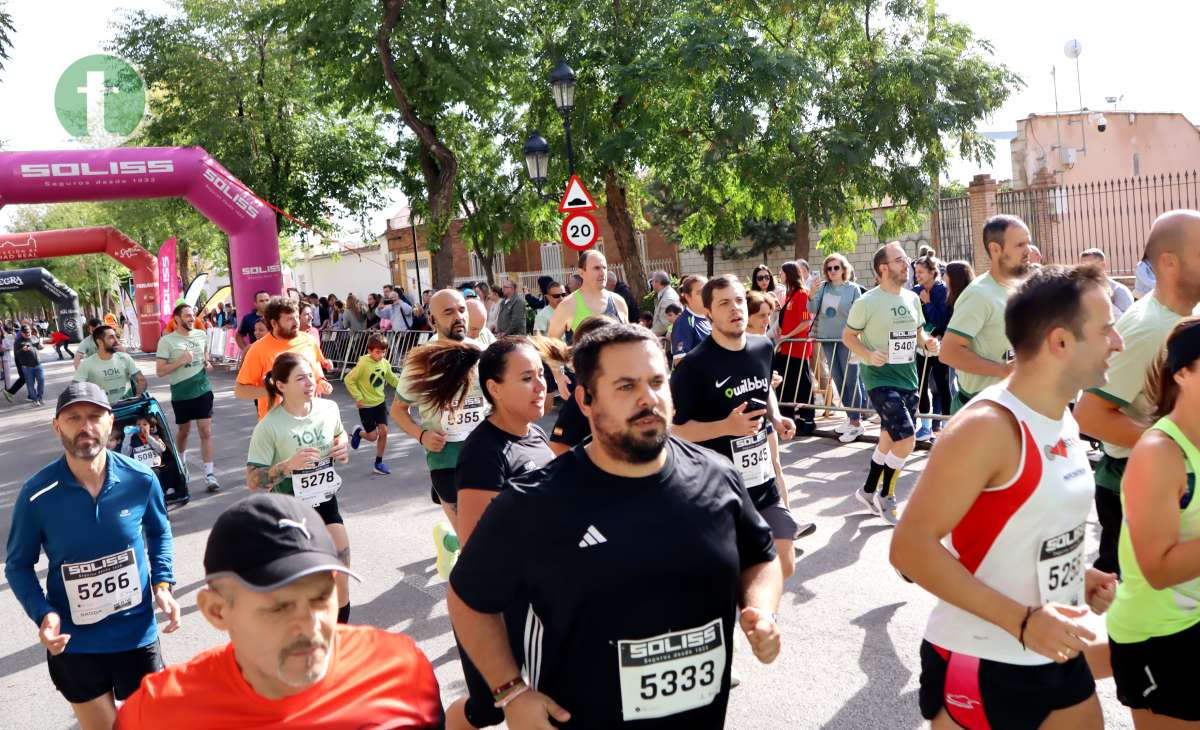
(1157, 674)
(897, 410)
(372, 417)
(980, 693)
(443, 486)
(330, 513)
(193, 409)
(84, 677)
(481, 710)
(779, 518)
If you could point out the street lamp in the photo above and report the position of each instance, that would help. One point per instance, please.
(537, 160)
(537, 150)
(562, 83)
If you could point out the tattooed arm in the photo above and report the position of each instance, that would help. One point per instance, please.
(266, 478)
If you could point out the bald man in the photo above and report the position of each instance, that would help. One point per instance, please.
(477, 322)
(1118, 412)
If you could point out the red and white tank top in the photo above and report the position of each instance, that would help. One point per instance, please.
(1023, 538)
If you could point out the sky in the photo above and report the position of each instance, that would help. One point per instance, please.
(1143, 52)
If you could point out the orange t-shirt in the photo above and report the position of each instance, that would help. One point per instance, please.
(376, 680)
(260, 357)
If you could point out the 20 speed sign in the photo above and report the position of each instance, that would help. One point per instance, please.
(579, 231)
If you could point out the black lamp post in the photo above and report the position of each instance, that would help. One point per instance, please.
(537, 150)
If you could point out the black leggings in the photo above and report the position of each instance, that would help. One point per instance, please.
(796, 387)
(937, 378)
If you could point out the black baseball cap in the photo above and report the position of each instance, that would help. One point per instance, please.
(268, 540)
(81, 392)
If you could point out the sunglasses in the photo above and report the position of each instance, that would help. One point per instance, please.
(763, 277)
(833, 268)
(556, 296)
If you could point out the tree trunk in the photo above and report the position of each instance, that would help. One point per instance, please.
(617, 212)
(184, 261)
(710, 260)
(801, 246)
(488, 274)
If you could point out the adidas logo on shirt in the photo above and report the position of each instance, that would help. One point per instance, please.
(592, 537)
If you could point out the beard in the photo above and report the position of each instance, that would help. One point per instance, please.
(288, 333)
(456, 332)
(732, 331)
(84, 446)
(312, 673)
(631, 445)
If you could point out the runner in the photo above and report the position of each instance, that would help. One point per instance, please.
(995, 527)
(571, 427)
(102, 522)
(441, 432)
(691, 327)
(143, 446)
(477, 322)
(1119, 411)
(86, 346)
(270, 587)
(884, 329)
(183, 359)
(722, 391)
(283, 321)
(367, 382)
(293, 450)
(592, 297)
(114, 371)
(975, 344)
(632, 513)
(1152, 626)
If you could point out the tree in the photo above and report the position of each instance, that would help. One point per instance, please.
(6, 31)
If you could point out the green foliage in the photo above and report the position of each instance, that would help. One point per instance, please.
(6, 32)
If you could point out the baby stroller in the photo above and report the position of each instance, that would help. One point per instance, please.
(171, 469)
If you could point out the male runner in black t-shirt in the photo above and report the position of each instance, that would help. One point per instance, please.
(635, 552)
(722, 390)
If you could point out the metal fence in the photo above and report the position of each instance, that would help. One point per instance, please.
(954, 229)
(528, 279)
(343, 348)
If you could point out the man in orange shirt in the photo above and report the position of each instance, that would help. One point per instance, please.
(269, 566)
(283, 319)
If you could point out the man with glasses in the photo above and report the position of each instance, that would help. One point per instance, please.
(884, 330)
(554, 296)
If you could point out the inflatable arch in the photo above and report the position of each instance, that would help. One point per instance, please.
(124, 173)
(66, 301)
(75, 241)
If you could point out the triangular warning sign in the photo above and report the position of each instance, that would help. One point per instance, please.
(576, 197)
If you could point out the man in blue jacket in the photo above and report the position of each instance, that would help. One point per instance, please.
(89, 511)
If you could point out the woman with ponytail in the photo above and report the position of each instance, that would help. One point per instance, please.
(294, 448)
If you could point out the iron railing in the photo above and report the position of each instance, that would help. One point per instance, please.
(343, 348)
(954, 229)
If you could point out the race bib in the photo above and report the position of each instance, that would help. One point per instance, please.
(671, 673)
(902, 347)
(1060, 568)
(96, 589)
(458, 423)
(316, 485)
(147, 456)
(752, 458)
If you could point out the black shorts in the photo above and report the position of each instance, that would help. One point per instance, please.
(779, 518)
(571, 427)
(330, 513)
(443, 486)
(1157, 674)
(193, 409)
(980, 693)
(84, 677)
(897, 410)
(373, 416)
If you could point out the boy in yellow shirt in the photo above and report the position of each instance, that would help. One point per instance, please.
(368, 382)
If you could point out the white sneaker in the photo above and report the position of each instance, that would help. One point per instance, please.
(867, 500)
(887, 508)
(851, 434)
(842, 426)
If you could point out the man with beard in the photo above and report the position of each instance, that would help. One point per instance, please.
(975, 344)
(637, 551)
(722, 391)
(288, 664)
(114, 371)
(995, 529)
(884, 329)
(283, 320)
(101, 520)
(182, 358)
(1119, 411)
(441, 432)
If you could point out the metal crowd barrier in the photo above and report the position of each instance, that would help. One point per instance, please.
(818, 358)
(343, 348)
(222, 346)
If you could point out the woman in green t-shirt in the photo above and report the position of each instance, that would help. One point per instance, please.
(294, 448)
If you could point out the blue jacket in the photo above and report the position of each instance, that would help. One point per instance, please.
(55, 513)
(937, 311)
(689, 330)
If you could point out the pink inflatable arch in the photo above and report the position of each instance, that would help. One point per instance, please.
(190, 173)
(76, 241)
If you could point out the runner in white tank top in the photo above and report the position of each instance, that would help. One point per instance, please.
(995, 526)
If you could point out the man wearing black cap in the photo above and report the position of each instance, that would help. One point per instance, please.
(89, 511)
(269, 565)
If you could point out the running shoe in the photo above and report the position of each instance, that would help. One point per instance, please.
(356, 437)
(887, 508)
(804, 529)
(851, 434)
(924, 434)
(382, 468)
(213, 485)
(447, 548)
(8, 396)
(868, 500)
(843, 426)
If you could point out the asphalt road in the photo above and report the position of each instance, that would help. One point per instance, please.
(851, 626)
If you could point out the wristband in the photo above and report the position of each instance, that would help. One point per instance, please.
(1029, 611)
(420, 439)
(162, 584)
(512, 696)
(499, 692)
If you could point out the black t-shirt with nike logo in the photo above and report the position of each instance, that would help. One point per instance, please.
(633, 584)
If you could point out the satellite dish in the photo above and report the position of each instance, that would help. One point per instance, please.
(1073, 48)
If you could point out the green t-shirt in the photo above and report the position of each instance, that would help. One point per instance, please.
(368, 380)
(86, 347)
(979, 317)
(889, 323)
(191, 380)
(279, 435)
(1144, 328)
(433, 419)
(114, 375)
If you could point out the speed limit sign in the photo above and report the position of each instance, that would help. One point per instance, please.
(579, 231)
